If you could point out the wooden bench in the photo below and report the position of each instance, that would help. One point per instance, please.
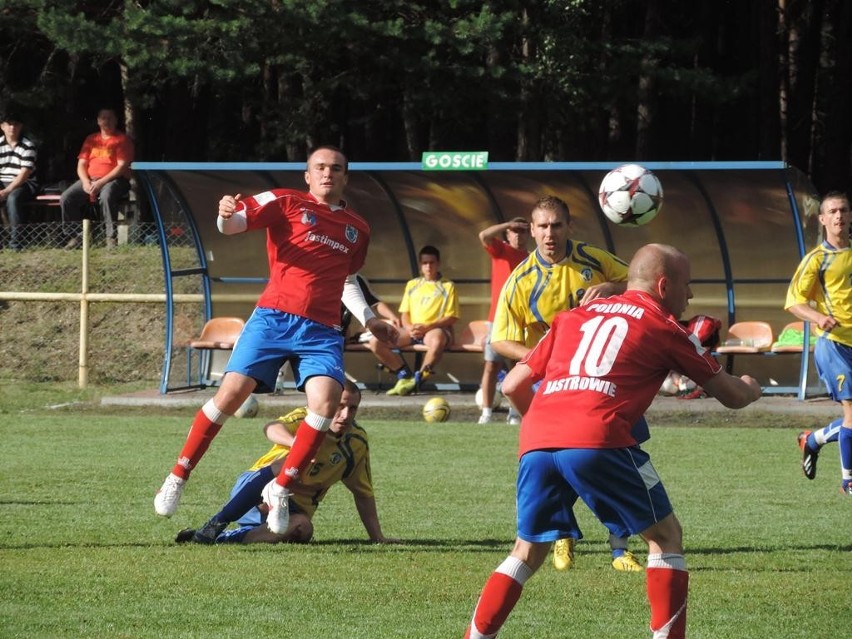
(471, 340)
(126, 216)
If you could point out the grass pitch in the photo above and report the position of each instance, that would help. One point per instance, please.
(83, 554)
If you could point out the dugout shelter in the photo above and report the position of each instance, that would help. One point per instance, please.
(745, 226)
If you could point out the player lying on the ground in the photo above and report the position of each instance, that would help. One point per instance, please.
(343, 456)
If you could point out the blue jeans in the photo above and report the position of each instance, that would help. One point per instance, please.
(15, 211)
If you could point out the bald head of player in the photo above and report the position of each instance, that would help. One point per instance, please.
(663, 272)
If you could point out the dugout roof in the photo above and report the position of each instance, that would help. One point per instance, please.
(744, 225)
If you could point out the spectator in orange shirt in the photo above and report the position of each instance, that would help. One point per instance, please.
(103, 169)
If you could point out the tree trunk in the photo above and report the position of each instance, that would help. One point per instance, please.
(832, 140)
(803, 27)
(770, 81)
(646, 108)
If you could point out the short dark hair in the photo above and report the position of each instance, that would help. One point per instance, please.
(430, 250)
(351, 387)
(833, 195)
(553, 203)
(330, 147)
(11, 114)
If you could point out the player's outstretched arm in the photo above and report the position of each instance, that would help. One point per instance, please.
(383, 331)
(510, 349)
(517, 386)
(231, 220)
(807, 313)
(732, 391)
(369, 515)
(353, 299)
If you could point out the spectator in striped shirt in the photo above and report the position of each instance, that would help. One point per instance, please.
(17, 173)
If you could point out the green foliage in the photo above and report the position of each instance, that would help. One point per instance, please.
(553, 80)
(84, 555)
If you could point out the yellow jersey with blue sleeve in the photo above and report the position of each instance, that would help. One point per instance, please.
(345, 459)
(427, 301)
(824, 277)
(537, 290)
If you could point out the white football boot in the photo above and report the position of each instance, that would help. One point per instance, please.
(168, 497)
(277, 498)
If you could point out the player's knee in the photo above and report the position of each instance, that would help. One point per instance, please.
(436, 340)
(301, 530)
(667, 534)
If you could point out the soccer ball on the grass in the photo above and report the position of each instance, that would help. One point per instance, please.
(498, 398)
(436, 410)
(631, 195)
(248, 408)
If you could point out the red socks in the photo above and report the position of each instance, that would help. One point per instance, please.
(201, 434)
(498, 598)
(308, 440)
(667, 583)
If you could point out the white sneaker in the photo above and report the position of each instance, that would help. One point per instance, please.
(277, 498)
(168, 497)
(484, 419)
(513, 418)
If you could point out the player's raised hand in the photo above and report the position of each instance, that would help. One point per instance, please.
(228, 204)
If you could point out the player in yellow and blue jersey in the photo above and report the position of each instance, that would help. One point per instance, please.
(562, 273)
(344, 456)
(821, 293)
(429, 309)
(559, 275)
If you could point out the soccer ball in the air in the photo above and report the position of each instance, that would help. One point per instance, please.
(631, 195)
(436, 410)
(498, 398)
(248, 408)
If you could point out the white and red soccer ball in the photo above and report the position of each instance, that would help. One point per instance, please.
(630, 195)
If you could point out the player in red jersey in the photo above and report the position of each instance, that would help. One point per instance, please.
(601, 365)
(315, 243)
(506, 244)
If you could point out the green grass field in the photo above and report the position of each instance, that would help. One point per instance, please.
(83, 554)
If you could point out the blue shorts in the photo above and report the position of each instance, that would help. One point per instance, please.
(254, 517)
(833, 362)
(271, 338)
(619, 485)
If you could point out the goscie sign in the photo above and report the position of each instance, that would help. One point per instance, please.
(455, 161)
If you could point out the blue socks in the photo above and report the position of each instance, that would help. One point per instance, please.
(826, 435)
(845, 442)
(247, 497)
(234, 536)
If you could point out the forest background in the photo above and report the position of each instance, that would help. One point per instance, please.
(566, 80)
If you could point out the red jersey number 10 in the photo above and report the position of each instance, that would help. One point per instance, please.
(602, 339)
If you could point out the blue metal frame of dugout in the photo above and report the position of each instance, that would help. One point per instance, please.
(176, 190)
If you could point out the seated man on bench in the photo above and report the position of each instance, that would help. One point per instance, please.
(429, 309)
